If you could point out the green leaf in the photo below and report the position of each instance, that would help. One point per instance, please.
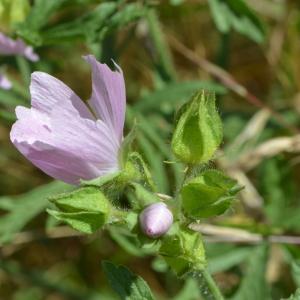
(253, 284)
(227, 260)
(86, 209)
(88, 199)
(85, 26)
(161, 52)
(296, 271)
(172, 94)
(235, 14)
(38, 17)
(209, 194)
(26, 207)
(126, 284)
(198, 132)
(129, 13)
(183, 251)
(86, 222)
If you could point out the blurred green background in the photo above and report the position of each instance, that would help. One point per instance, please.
(248, 53)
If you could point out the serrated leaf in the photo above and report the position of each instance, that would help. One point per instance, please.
(86, 209)
(126, 284)
(209, 194)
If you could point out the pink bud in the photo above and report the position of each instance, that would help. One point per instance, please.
(156, 219)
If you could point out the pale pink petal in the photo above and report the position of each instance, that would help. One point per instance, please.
(9, 46)
(5, 83)
(64, 145)
(47, 92)
(108, 95)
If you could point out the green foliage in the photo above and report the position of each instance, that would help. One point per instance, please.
(209, 194)
(85, 209)
(168, 97)
(183, 251)
(235, 14)
(24, 208)
(12, 12)
(198, 132)
(93, 26)
(295, 296)
(38, 17)
(253, 284)
(160, 75)
(190, 291)
(126, 284)
(226, 260)
(86, 26)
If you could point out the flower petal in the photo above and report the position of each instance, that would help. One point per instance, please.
(64, 145)
(156, 219)
(9, 46)
(47, 92)
(5, 83)
(108, 95)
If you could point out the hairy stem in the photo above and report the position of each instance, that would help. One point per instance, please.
(212, 286)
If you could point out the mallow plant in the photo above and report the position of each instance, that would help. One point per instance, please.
(83, 144)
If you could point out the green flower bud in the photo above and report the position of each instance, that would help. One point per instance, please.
(198, 132)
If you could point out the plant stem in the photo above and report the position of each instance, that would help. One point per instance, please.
(212, 285)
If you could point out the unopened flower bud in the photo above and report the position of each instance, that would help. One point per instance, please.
(156, 220)
(198, 132)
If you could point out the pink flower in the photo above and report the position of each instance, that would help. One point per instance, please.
(4, 82)
(9, 46)
(156, 219)
(14, 47)
(62, 137)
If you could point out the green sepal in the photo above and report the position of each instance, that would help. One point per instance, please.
(198, 132)
(209, 194)
(126, 147)
(141, 167)
(112, 185)
(140, 197)
(86, 209)
(101, 181)
(183, 251)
